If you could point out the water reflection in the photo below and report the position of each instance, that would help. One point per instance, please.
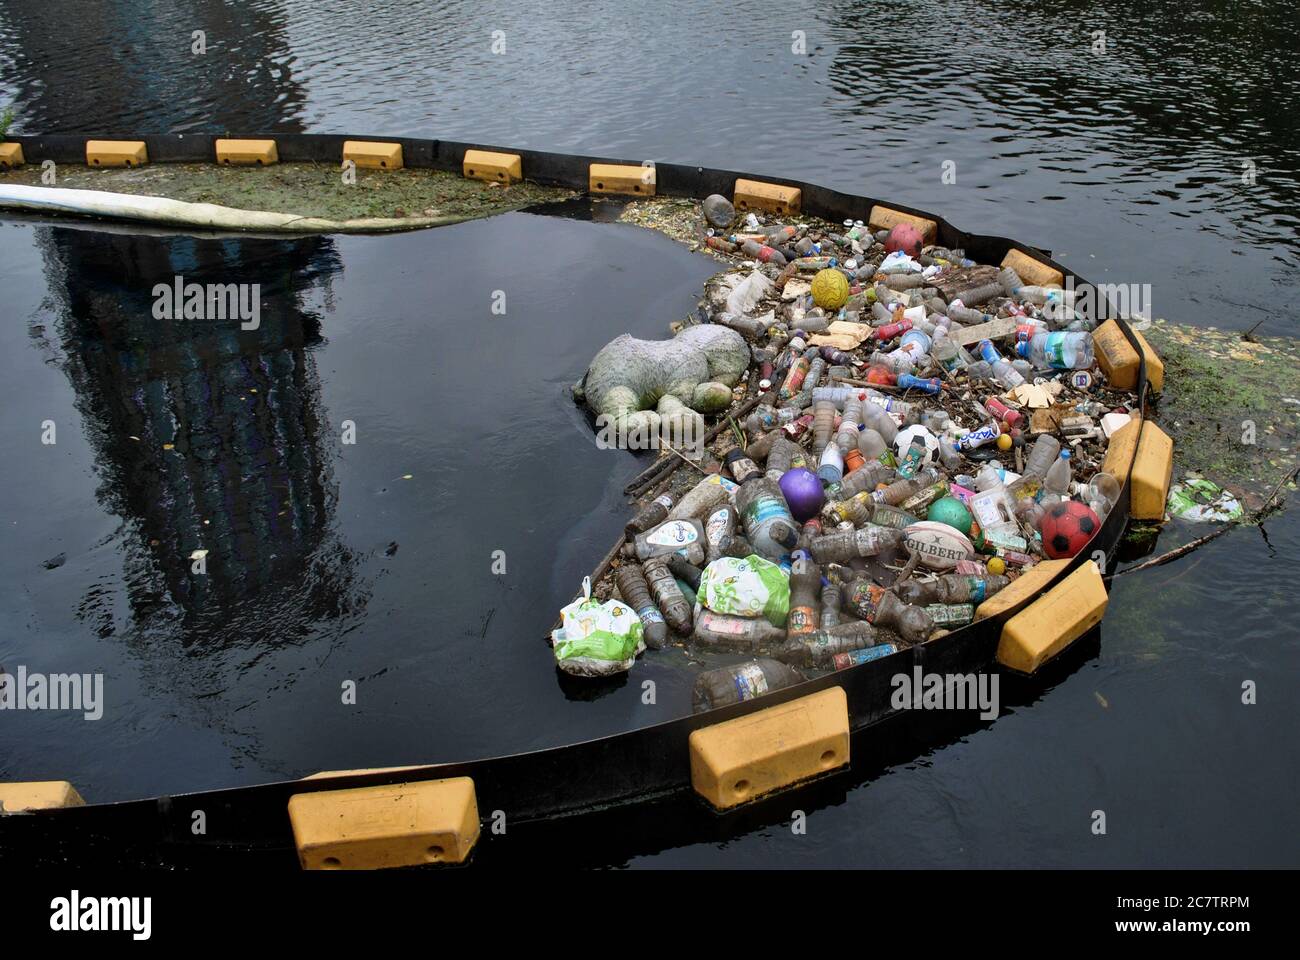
(207, 437)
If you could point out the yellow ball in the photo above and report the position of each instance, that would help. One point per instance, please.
(1004, 442)
(830, 289)
(997, 566)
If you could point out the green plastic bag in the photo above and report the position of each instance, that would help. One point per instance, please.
(596, 639)
(1201, 500)
(752, 587)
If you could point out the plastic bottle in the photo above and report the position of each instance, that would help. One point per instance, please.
(781, 457)
(685, 572)
(818, 648)
(720, 533)
(1042, 455)
(870, 541)
(718, 210)
(875, 604)
(900, 490)
(875, 417)
(671, 536)
(843, 661)
(980, 436)
(1001, 411)
(831, 466)
(816, 368)
(794, 379)
(830, 604)
(805, 588)
(761, 252)
(700, 501)
(933, 386)
(728, 634)
(846, 438)
(651, 515)
(635, 592)
(669, 597)
(727, 685)
(823, 424)
(1058, 476)
(950, 588)
(862, 480)
(1002, 369)
(861, 508)
(1059, 351)
(766, 516)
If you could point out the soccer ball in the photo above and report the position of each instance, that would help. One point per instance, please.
(1067, 527)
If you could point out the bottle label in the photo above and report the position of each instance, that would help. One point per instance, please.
(674, 533)
(750, 681)
(842, 661)
(951, 614)
(764, 509)
(801, 620)
(732, 626)
(650, 614)
(717, 525)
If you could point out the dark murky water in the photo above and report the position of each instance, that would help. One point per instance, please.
(327, 565)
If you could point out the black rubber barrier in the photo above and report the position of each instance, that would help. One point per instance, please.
(598, 778)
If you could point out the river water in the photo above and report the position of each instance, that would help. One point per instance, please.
(1169, 159)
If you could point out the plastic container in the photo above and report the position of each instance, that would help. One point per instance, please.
(769, 526)
(635, 592)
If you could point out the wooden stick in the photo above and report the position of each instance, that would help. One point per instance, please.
(1187, 548)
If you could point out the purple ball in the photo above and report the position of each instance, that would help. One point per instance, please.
(802, 490)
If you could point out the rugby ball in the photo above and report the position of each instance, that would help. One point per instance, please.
(936, 546)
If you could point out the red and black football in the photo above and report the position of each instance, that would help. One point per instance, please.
(1066, 527)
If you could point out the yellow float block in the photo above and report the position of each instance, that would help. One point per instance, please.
(371, 828)
(1121, 449)
(739, 760)
(771, 197)
(486, 165)
(621, 178)
(1053, 621)
(1119, 361)
(252, 153)
(373, 155)
(1029, 584)
(38, 795)
(11, 155)
(1032, 271)
(1153, 467)
(116, 153)
(886, 218)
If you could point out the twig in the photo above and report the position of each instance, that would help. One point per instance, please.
(1187, 548)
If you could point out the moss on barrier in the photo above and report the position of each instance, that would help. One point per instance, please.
(305, 189)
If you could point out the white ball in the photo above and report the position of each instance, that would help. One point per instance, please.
(906, 438)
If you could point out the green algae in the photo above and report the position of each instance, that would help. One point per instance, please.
(305, 189)
(1231, 405)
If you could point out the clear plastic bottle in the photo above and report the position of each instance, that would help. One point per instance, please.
(875, 604)
(900, 490)
(823, 424)
(1042, 455)
(671, 536)
(875, 417)
(635, 592)
(870, 541)
(818, 648)
(1059, 351)
(668, 595)
(1002, 369)
(950, 588)
(727, 685)
(781, 457)
(728, 634)
(830, 604)
(1057, 479)
(805, 590)
(762, 252)
(700, 501)
(846, 438)
(651, 515)
(766, 516)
